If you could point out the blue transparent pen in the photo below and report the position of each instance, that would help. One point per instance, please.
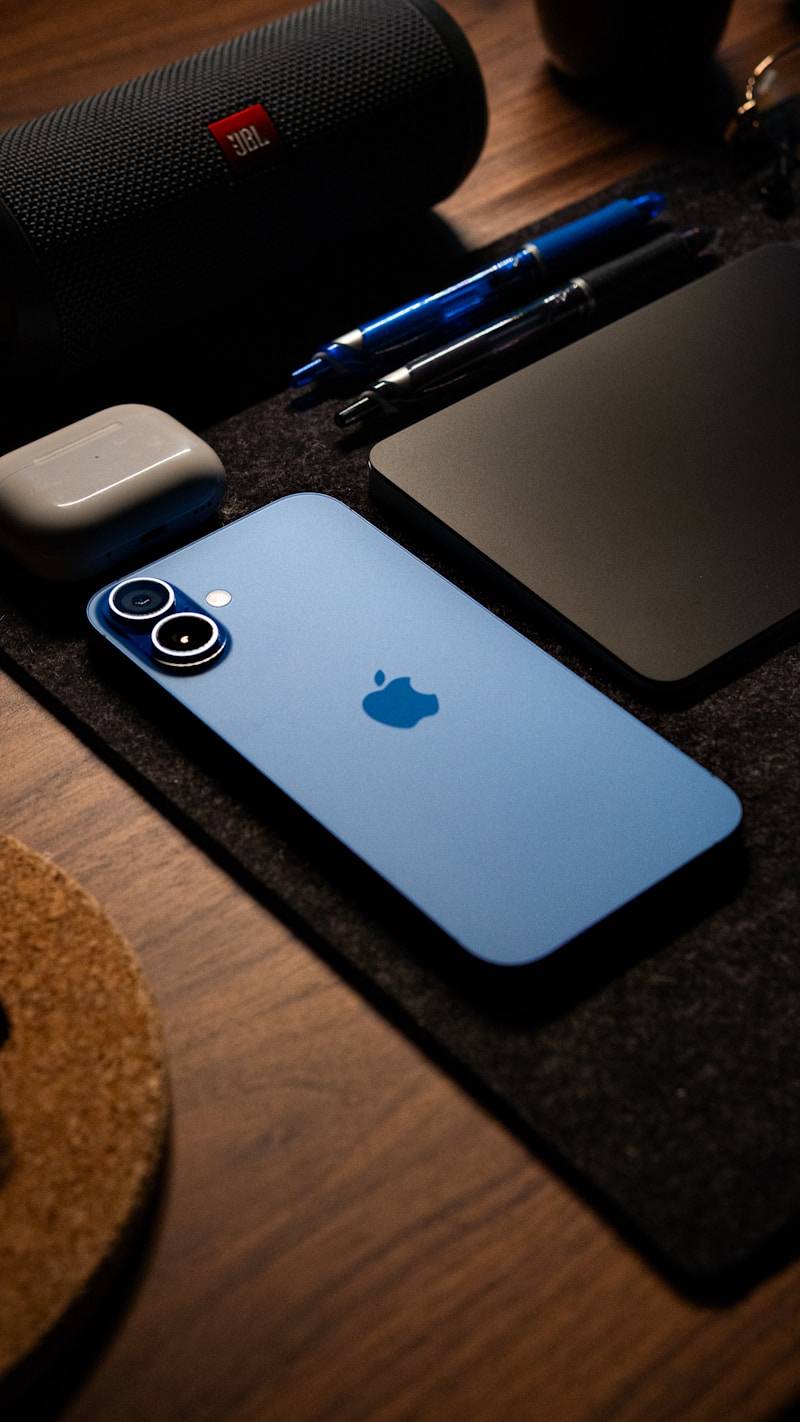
(535, 266)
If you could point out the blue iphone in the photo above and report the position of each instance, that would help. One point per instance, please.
(506, 798)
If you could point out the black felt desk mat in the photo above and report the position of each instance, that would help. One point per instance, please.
(671, 1091)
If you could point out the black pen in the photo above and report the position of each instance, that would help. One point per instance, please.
(578, 299)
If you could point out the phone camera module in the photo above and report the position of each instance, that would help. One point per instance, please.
(186, 640)
(141, 600)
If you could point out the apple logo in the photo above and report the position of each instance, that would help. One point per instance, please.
(398, 704)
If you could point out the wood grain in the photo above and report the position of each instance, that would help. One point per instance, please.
(346, 1235)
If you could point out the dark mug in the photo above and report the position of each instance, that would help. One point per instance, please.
(630, 42)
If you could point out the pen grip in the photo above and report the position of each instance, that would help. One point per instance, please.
(645, 265)
(453, 308)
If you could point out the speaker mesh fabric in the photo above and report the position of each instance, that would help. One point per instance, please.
(129, 206)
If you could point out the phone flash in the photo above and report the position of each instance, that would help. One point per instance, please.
(218, 598)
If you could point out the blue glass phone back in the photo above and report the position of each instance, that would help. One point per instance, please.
(506, 798)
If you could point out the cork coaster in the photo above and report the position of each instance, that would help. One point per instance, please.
(83, 1095)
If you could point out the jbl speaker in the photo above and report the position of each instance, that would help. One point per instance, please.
(133, 223)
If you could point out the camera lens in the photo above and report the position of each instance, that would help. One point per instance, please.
(186, 639)
(141, 599)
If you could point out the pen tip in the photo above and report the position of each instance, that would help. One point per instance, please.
(351, 414)
(305, 374)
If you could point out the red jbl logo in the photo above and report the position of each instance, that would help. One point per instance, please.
(247, 138)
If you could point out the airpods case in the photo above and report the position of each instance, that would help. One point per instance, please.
(104, 490)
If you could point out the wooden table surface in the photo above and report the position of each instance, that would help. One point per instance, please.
(346, 1235)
